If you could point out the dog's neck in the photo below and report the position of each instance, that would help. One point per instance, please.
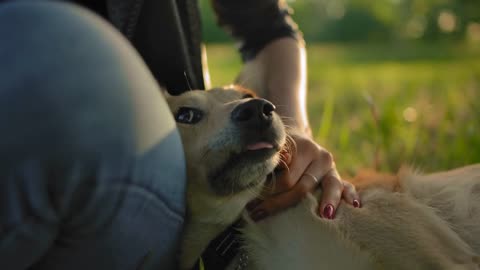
(196, 238)
(208, 216)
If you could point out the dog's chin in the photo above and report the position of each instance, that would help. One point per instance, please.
(245, 170)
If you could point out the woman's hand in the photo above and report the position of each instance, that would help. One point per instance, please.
(305, 166)
(278, 73)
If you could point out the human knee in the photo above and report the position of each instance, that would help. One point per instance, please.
(68, 78)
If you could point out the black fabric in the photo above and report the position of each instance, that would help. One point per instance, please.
(99, 7)
(164, 39)
(254, 23)
(167, 33)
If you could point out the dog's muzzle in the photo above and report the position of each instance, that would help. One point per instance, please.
(259, 135)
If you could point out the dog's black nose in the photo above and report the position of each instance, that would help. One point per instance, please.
(253, 113)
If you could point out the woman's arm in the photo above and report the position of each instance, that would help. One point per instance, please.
(278, 73)
(275, 67)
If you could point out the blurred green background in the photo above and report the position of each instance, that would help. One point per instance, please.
(390, 82)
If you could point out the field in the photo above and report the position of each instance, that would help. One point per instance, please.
(382, 106)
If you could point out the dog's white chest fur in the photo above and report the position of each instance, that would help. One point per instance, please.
(298, 239)
(391, 231)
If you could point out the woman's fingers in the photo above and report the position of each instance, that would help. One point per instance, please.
(303, 170)
(308, 181)
(350, 194)
(332, 194)
(307, 157)
(283, 200)
(334, 190)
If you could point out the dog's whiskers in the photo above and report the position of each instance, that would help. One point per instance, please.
(284, 165)
(255, 192)
(270, 187)
(286, 117)
(232, 191)
(290, 144)
(187, 80)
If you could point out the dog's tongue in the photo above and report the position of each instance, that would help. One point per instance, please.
(259, 145)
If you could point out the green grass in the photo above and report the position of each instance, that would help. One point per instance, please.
(363, 99)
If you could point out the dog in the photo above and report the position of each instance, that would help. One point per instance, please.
(232, 142)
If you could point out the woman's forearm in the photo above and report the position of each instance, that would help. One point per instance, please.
(278, 73)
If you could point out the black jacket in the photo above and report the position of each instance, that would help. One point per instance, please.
(167, 33)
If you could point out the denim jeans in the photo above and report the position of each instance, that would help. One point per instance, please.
(92, 172)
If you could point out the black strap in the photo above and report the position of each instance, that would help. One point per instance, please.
(223, 249)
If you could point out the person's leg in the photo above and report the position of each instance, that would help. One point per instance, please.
(91, 167)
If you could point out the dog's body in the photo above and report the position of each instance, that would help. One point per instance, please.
(433, 222)
(407, 222)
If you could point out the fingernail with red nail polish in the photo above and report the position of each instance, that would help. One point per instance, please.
(356, 203)
(328, 211)
(259, 215)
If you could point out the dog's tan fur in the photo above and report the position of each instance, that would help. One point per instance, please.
(207, 145)
(407, 221)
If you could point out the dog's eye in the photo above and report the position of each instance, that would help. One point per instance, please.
(186, 115)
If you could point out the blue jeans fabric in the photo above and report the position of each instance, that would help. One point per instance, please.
(92, 171)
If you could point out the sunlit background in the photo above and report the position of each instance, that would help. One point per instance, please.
(390, 82)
